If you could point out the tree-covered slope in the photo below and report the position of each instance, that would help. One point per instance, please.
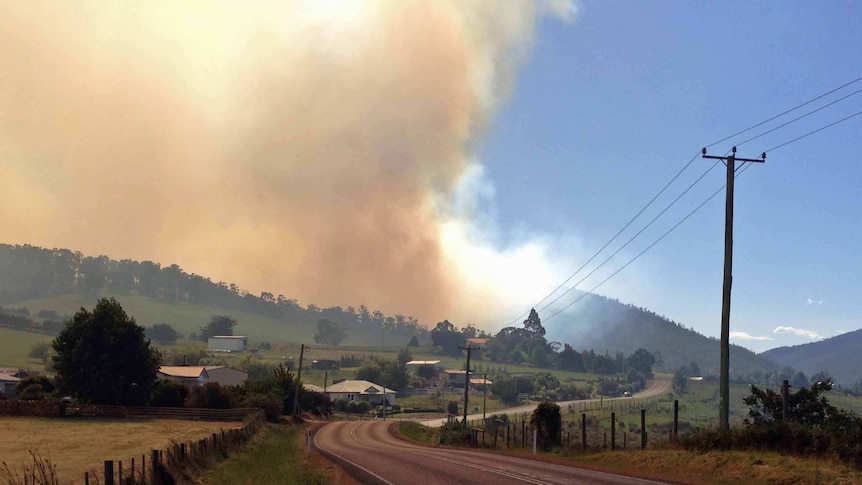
(607, 325)
(841, 356)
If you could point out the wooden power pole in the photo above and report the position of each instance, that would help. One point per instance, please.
(469, 349)
(724, 370)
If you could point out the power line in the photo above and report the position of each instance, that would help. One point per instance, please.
(637, 256)
(611, 239)
(815, 131)
(794, 120)
(785, 112)
(660, 192)
(632, 238)
(584, 295)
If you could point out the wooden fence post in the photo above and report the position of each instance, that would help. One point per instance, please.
(109, 472)
(143, 468)
(675, 417)
(157, 479)
(584, 430)
(613, 431)
(643, 428)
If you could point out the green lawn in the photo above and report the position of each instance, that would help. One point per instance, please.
(15, 345)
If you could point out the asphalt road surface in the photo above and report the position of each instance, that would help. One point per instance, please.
(654, 388)
(368, 450)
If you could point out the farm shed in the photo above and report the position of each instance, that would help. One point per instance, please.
(227, 343)
(190, 375)
(226, 376)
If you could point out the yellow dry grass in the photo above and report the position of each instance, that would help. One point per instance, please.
(78, 445)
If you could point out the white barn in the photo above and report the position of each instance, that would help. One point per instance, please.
(227, 343)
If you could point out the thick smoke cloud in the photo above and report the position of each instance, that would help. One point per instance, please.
(305, 148)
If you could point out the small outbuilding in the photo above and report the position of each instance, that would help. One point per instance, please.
(227, 343)
(226, 376)
(7, 385)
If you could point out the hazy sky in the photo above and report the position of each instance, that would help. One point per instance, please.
(608, 109)
(444, 159)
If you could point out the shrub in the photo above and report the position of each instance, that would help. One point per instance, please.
(168, 394)
(211, 395)
(270, 403)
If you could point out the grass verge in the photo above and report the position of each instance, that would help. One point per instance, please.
(275, 459)
(418, 432)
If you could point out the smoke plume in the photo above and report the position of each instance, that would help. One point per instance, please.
(306, 148)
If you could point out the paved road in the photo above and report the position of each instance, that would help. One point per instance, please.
(377, 457)
(654, 388)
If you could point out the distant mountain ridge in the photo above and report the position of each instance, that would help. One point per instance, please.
(605, 324)
(841, 356)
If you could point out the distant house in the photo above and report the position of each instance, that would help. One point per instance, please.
(325, 364)
(357, 390)
(479, 383)
(190, 375)
(226, 376)
(455, 376)
(477, 341)
(7, 385)
(227, 343)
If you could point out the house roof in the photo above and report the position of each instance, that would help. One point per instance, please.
(229, 336)
(455, 371)
(187, 371)
(423, 362)
(358, 387)
(219, 367)
(477, 341)
(8, 378)
(312, 388)
(481, 381)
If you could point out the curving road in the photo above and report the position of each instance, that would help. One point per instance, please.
(655, 387)
(374, 456)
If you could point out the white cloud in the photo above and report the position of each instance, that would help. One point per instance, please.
(810, 334)
(747, 336)
(812, 301)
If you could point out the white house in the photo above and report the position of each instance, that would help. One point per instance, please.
(355, 390)
(227, 343)
(190, 375)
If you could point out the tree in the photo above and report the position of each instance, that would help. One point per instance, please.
(680, 380)
(570, 359)
(548, 422)
(329, 333)
(414, 342)
(446, 338)
(219, 325)
(404, 356)
(452, 407)
(162, 333)
(103, 357)
(642, 361)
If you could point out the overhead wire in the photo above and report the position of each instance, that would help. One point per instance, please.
(806, 103)
(686, 190)
(830, 125)
(612, 239)
(633, 237)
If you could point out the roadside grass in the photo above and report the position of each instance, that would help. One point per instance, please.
(78, 445)
(721, 467)
(418, 432)
(278, 458)
(16, 344)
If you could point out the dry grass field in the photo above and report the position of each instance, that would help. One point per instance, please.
(77, 445)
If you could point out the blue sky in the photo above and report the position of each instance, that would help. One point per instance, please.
(608, 108)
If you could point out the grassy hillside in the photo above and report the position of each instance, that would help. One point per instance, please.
(187, 317)
(15, 345)
(838, 355)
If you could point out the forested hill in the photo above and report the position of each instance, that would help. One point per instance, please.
(33, 273)
(604, 324)
(840, 356)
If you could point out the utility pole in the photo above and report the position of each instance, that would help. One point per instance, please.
(298, 382)
(485, 399)
(724, 370)
(469, 349)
